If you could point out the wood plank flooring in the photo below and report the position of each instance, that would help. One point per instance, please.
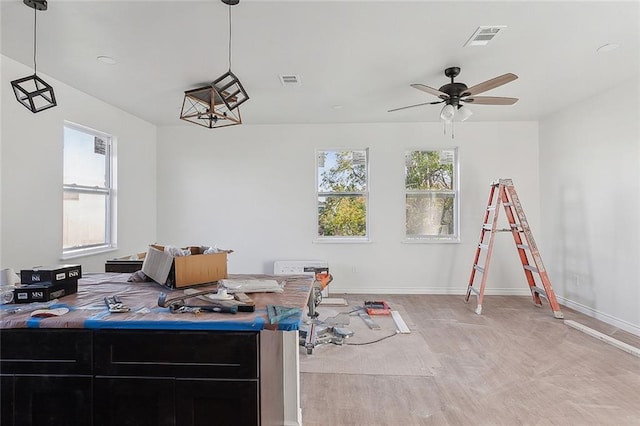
(513, 365)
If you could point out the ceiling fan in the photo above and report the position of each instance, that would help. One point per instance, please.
(454, 93)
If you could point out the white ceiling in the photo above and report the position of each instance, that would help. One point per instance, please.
(355, 59)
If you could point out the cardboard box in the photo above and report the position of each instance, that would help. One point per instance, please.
(131, 263)
(51, 274)
(44, 291)
(184, 271)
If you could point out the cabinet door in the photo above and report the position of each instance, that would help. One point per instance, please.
(52, 401)
(216, 402)
(133, 401)
(6, 400)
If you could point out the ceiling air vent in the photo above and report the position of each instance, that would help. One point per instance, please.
(484, 35)
(290, 80)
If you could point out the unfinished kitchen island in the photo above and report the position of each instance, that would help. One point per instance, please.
(149, 366)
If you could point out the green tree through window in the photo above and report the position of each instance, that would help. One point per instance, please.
(431, 202)
(342, 193)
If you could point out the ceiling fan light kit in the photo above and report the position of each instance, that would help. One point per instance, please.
(32, 91)
(217, 104)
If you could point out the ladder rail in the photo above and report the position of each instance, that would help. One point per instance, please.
(494, 197)
(481, 242)
(515, 232)
(549, 294)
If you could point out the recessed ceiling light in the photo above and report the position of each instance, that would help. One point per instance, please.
(106, 60)
(608, 47)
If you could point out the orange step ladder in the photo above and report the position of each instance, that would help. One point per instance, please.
(503, 192)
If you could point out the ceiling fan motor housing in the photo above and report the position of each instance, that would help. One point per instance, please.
(454, 90)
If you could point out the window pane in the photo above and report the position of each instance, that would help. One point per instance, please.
(84, 218)
(342, 171)
(84, 159)
(342, 216)
(426, 170)
(430, 215)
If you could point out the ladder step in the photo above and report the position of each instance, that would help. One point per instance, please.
(483, 246)
(476, 292)
(507, 204)
(531, 268)
(489, 208)
(486, 227)
(478, 268)
(522, 246)
(539, 290)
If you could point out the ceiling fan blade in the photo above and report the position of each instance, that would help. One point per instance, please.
(489, 84)
(490, 100)
(417, 105)
(430, 90)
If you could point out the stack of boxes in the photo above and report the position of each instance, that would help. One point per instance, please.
(44, 283)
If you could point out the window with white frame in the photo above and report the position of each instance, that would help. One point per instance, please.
(342, 194)
(88, 216)
(431, 195)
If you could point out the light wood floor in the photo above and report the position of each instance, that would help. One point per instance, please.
(513, 365)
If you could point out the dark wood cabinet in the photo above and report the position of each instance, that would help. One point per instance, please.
(46, 375)
(129, 377)
(179, 377)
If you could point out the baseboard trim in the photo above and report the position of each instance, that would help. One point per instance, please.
(603, 337)
(430, 290)
(594, 313)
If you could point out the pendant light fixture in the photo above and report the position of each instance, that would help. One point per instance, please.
(217, 104)
(32, 91)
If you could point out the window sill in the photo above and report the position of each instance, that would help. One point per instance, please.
(72, 254)
(430, 241)
(342, 241)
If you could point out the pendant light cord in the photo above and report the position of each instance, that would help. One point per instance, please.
(229, 37)
(35, 27)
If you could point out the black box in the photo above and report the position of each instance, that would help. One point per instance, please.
(131, 263)
(51, 274)
(123, 265)
(44, 291)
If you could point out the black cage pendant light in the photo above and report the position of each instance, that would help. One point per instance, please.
(32, 91)
(216, 105)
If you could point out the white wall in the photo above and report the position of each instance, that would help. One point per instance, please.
(589, 174)
(251, 189)
(31, 147)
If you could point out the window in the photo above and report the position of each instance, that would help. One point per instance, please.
(88, 216)
(431, 195)
(343, 195)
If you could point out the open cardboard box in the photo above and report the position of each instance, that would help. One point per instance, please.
(184, 271)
